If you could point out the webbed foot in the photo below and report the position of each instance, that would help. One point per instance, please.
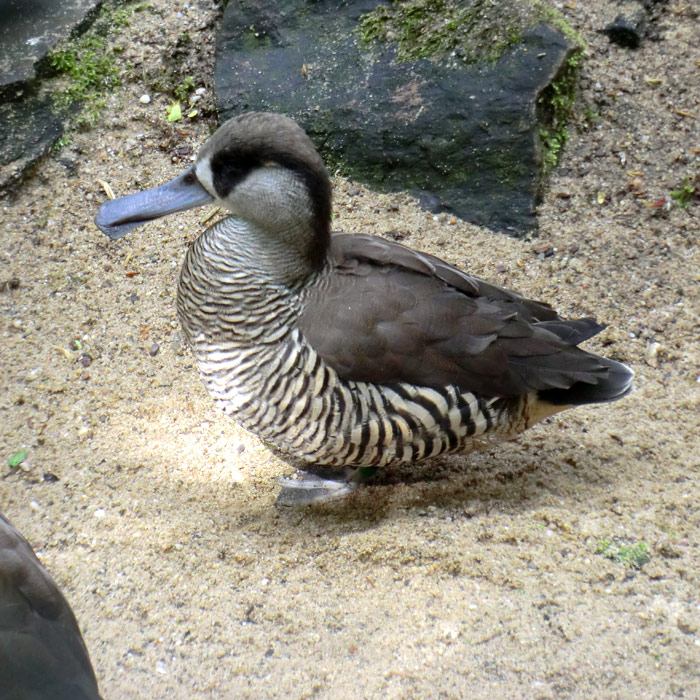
(318, 485)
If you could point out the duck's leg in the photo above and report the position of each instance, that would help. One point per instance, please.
(314, 484)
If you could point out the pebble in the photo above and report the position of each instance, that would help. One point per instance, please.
(153, 351)
(12, 283)
(576, 265)
(543, 249)
(651, 356)
(34, 374)
(627, 29)
(145, 99)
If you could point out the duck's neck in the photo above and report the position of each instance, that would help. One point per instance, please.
(238, 289)
(237, 249)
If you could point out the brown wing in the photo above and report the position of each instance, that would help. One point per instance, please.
(389, 314)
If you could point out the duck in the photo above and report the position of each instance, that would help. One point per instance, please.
(42, 652)
(347, 351)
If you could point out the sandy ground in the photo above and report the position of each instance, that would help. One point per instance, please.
(478, 579)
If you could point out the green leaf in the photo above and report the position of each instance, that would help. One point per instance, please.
(17, 458)
(174, 112)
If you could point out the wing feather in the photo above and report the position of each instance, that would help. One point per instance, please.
(387, 314)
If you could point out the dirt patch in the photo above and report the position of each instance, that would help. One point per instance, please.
(510, 573)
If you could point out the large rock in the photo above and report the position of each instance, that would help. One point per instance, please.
(29, 29)
(464, 138)
(30, 128)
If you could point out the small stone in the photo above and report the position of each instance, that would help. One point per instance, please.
(576, 265)
(49, 478)
(627, 30)
(153, 351)
(178, 344)
(686, 625)
(85, 360)
(33, 374)
(667, 550)
(100, 513)
(145, 99)
(542, 248)
(12, 283)
(651, 356)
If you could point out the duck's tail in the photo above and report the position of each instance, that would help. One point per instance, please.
(610, 381)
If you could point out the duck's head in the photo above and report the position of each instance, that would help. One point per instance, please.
(262, 167)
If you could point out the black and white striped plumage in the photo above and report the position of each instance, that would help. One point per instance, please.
(348, 350)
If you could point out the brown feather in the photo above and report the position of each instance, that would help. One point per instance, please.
(385, 313)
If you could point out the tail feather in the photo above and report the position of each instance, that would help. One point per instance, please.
(573, 332)
(611, 386)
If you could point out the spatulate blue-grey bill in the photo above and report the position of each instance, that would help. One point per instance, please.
(117, 217)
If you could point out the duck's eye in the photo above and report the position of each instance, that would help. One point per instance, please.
(229, 170)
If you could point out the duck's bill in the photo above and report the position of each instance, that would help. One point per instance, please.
(117, 217)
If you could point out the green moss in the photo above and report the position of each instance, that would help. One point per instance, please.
(555, 105)
(684, 193)
(184, 88)
(254, 39)
(554, 19)
(89, 66)
(636, 555)
(447, 29)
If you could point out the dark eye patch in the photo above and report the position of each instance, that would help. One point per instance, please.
(231, 166)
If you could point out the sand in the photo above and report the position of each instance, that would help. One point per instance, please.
(478, 577)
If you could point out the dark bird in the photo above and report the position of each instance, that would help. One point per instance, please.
(350, 351)
(42, 653)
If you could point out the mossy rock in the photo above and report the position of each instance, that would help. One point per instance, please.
(464, 135)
